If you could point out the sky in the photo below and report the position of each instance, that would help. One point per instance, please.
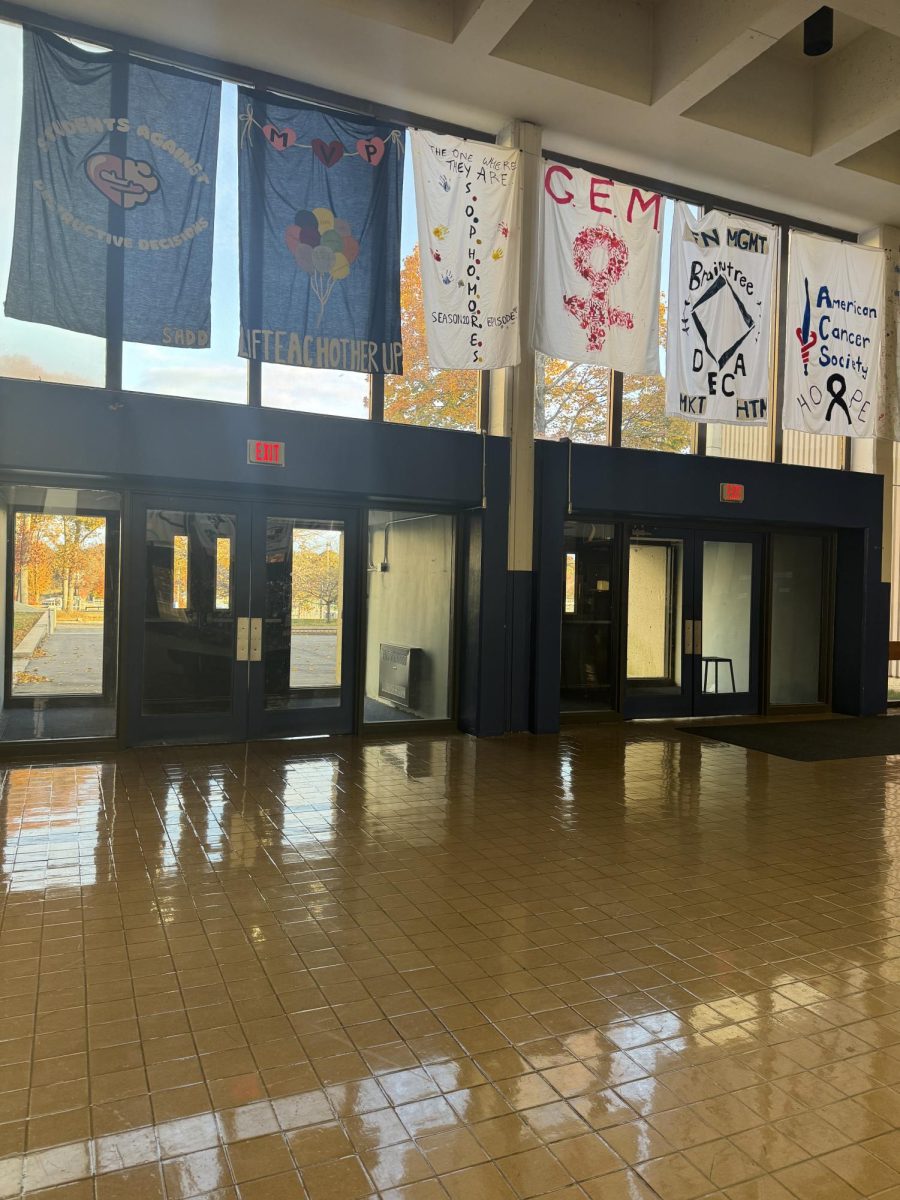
(213, 374)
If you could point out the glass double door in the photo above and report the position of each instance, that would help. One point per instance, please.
(693, 623)
(241, 621)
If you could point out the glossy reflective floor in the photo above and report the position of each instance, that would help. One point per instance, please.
(619, 963)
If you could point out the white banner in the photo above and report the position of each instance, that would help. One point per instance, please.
(832, 363)
(468, 206)
(598, 271)
(719, 332)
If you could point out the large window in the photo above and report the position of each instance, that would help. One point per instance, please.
(571, 400)
(421, 395)
(645, 425)
(580, 402)
(29, 351)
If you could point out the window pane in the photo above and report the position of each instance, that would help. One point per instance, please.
(421, 396)
(645, 425)
(813, 449)
(223, 573)
(410, 605)
(570, 584)
(796, 675)
(180, 571)
(306, 389)
(727, 616)
(571, 400)
(739, 441)
(216, 373)
(59, 570)
(29, 351)
(303, 626)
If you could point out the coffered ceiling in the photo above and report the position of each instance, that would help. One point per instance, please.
(716, 94)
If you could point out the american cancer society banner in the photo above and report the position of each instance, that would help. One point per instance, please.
(137, 173)
(320, 204)
(468, 205)
(835, 303)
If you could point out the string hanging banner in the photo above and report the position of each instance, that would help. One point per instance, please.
(719, 331)
(320, 204)
(468, 206)
(117, 158)
(598, 271)
(835, 299)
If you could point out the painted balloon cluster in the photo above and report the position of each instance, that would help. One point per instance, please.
(323, 247)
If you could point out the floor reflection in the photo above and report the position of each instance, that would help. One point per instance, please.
(623, 962)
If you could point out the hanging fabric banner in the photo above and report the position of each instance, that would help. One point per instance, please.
(468, 206)
(832, 366)
(320, 197)
(719, 332)
(116, 196)
(598, 271)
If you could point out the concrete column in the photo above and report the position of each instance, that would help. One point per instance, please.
(512, 389)
(512, 416)
(876, 456)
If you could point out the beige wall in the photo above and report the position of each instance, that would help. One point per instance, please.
(410, 604)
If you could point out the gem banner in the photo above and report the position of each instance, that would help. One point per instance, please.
(599, 264)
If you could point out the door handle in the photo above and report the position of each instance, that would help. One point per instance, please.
(698, 637)
(689, 637)
(256, 639)
(242, 649)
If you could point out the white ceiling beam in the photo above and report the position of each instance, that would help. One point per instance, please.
(480, 25)
(699, 44)
(857, 96)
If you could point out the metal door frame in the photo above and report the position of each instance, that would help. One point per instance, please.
(182, 728)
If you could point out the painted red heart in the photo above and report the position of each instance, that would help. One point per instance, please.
(371, 150)
(280, 139)
(328, 153)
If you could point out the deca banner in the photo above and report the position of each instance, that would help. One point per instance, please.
(719, 331)
(468, 202)
(320, 202)
(835, 298)
(599, 271)
(100, 174)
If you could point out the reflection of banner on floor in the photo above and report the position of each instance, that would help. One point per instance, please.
(320, 202)
(96, 172)
(835, 301)
(718, 338)
(597, 298)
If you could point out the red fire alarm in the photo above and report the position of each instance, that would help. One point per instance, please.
(731, 493)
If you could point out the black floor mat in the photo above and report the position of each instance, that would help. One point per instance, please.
(810, 741)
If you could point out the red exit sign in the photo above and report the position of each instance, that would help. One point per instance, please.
(731, 493)
(269, 454)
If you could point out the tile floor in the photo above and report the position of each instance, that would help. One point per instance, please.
(622, 963)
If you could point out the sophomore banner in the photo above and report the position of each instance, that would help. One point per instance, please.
(598, 271)
(468, 204)
(320, 237)
(114, 152)
(718, 338)
(834, 330)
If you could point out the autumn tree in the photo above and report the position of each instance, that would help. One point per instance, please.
(316, 574)
(56, 551)
(421, 395)
(571, 399)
